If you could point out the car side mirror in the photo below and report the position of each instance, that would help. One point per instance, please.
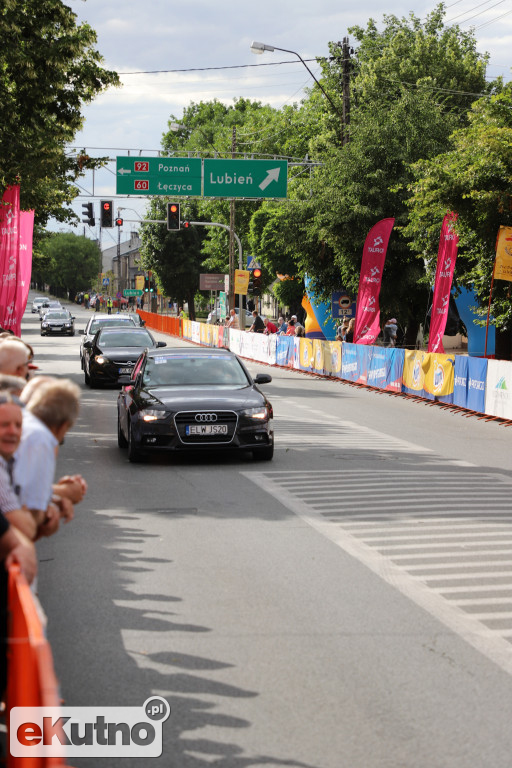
(263, 378)
(161, 343)
(87, 344)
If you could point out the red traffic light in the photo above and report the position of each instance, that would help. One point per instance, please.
(173, 208)
(256, 272)
(106, 206)
(119, 222)
(186, 224)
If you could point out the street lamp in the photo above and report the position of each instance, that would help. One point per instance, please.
(260, 48)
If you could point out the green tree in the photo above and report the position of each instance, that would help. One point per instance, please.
(71, 264)
(174, 257)
(48, 70)
(474, 178)
(409, 85)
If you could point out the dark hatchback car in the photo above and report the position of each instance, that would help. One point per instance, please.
(58, 321)
(197, 400)
(110, 356)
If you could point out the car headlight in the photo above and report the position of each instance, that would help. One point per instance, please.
(100, 359)
(152, 414)
(67, 325)
(44, 325)
(260, 413)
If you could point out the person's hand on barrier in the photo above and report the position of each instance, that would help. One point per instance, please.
(72, 487)
(65, 508)
(23, 553)
(51, 522)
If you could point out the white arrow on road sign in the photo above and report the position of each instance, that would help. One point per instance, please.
(272, 175)
(124, 170)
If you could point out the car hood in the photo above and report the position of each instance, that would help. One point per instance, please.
(122, 353)
(55, 321)
(192, 398)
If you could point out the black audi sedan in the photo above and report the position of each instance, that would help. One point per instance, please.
(58, 321)
(197, 399)
(110, 356)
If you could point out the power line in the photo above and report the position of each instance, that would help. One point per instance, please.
(209, 69)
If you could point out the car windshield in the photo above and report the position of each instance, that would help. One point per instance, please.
(97, 324)
(57, 316)
(194, 370)
(122, 338)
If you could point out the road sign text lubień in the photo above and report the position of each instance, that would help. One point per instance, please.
(174, 176)
(132, 292)
(245, 178)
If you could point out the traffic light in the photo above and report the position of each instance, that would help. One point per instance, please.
(88, 214)
(107, 213)
(173, 216)
(256, 281)
(186, 225)
(119, 222)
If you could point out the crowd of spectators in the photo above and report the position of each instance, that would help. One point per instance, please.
(265, 325)
(36, 412)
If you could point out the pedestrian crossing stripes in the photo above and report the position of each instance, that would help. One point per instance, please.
(308, 433)
(441, 534)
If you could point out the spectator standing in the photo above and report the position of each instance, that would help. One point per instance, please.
(282, 326)
(270, 327)
(258, 325)
(349, 336)
(299, 331)
(232, 320)
(389, 332)
(290, 331)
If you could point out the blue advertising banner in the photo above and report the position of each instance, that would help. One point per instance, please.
(378, 366)
(470, 379)
(348, 362)
(477, 376)
(284, 351)
(395, 369)
(460, 387)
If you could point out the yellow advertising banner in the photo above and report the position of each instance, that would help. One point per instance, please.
(242, 280)
(503, 266)
(318, 356)
(439, 374)
(414, 376)
(332, 357)
(139, 282)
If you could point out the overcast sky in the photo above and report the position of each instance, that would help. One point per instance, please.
(137, 37)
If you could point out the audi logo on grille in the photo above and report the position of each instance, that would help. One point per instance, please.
(206, 417)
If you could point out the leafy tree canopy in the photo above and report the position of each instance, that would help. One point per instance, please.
(69, 262)
(49, 68)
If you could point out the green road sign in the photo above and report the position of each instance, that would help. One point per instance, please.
(132, 292)
(174, 176)
(245, 178)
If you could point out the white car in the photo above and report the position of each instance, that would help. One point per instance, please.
(47, 305)
(37, 302)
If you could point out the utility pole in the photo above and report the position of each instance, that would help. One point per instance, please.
(231, 235)
(346, 64)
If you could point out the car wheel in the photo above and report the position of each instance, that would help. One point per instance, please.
(134, 453)
(121, 439)
(264, 454)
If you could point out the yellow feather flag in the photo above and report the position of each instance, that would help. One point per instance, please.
(503, 266)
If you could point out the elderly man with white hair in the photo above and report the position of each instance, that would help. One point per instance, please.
(14, 358)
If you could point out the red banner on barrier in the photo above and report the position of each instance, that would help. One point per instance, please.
(374, 255)
(446, 258)
(9, 262)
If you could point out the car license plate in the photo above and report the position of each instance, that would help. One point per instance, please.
(206, 429)
(125, 370)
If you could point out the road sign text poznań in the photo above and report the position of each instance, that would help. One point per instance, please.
(193, 177)
(158, 176)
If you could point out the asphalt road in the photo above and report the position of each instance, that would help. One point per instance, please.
(348, 604)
